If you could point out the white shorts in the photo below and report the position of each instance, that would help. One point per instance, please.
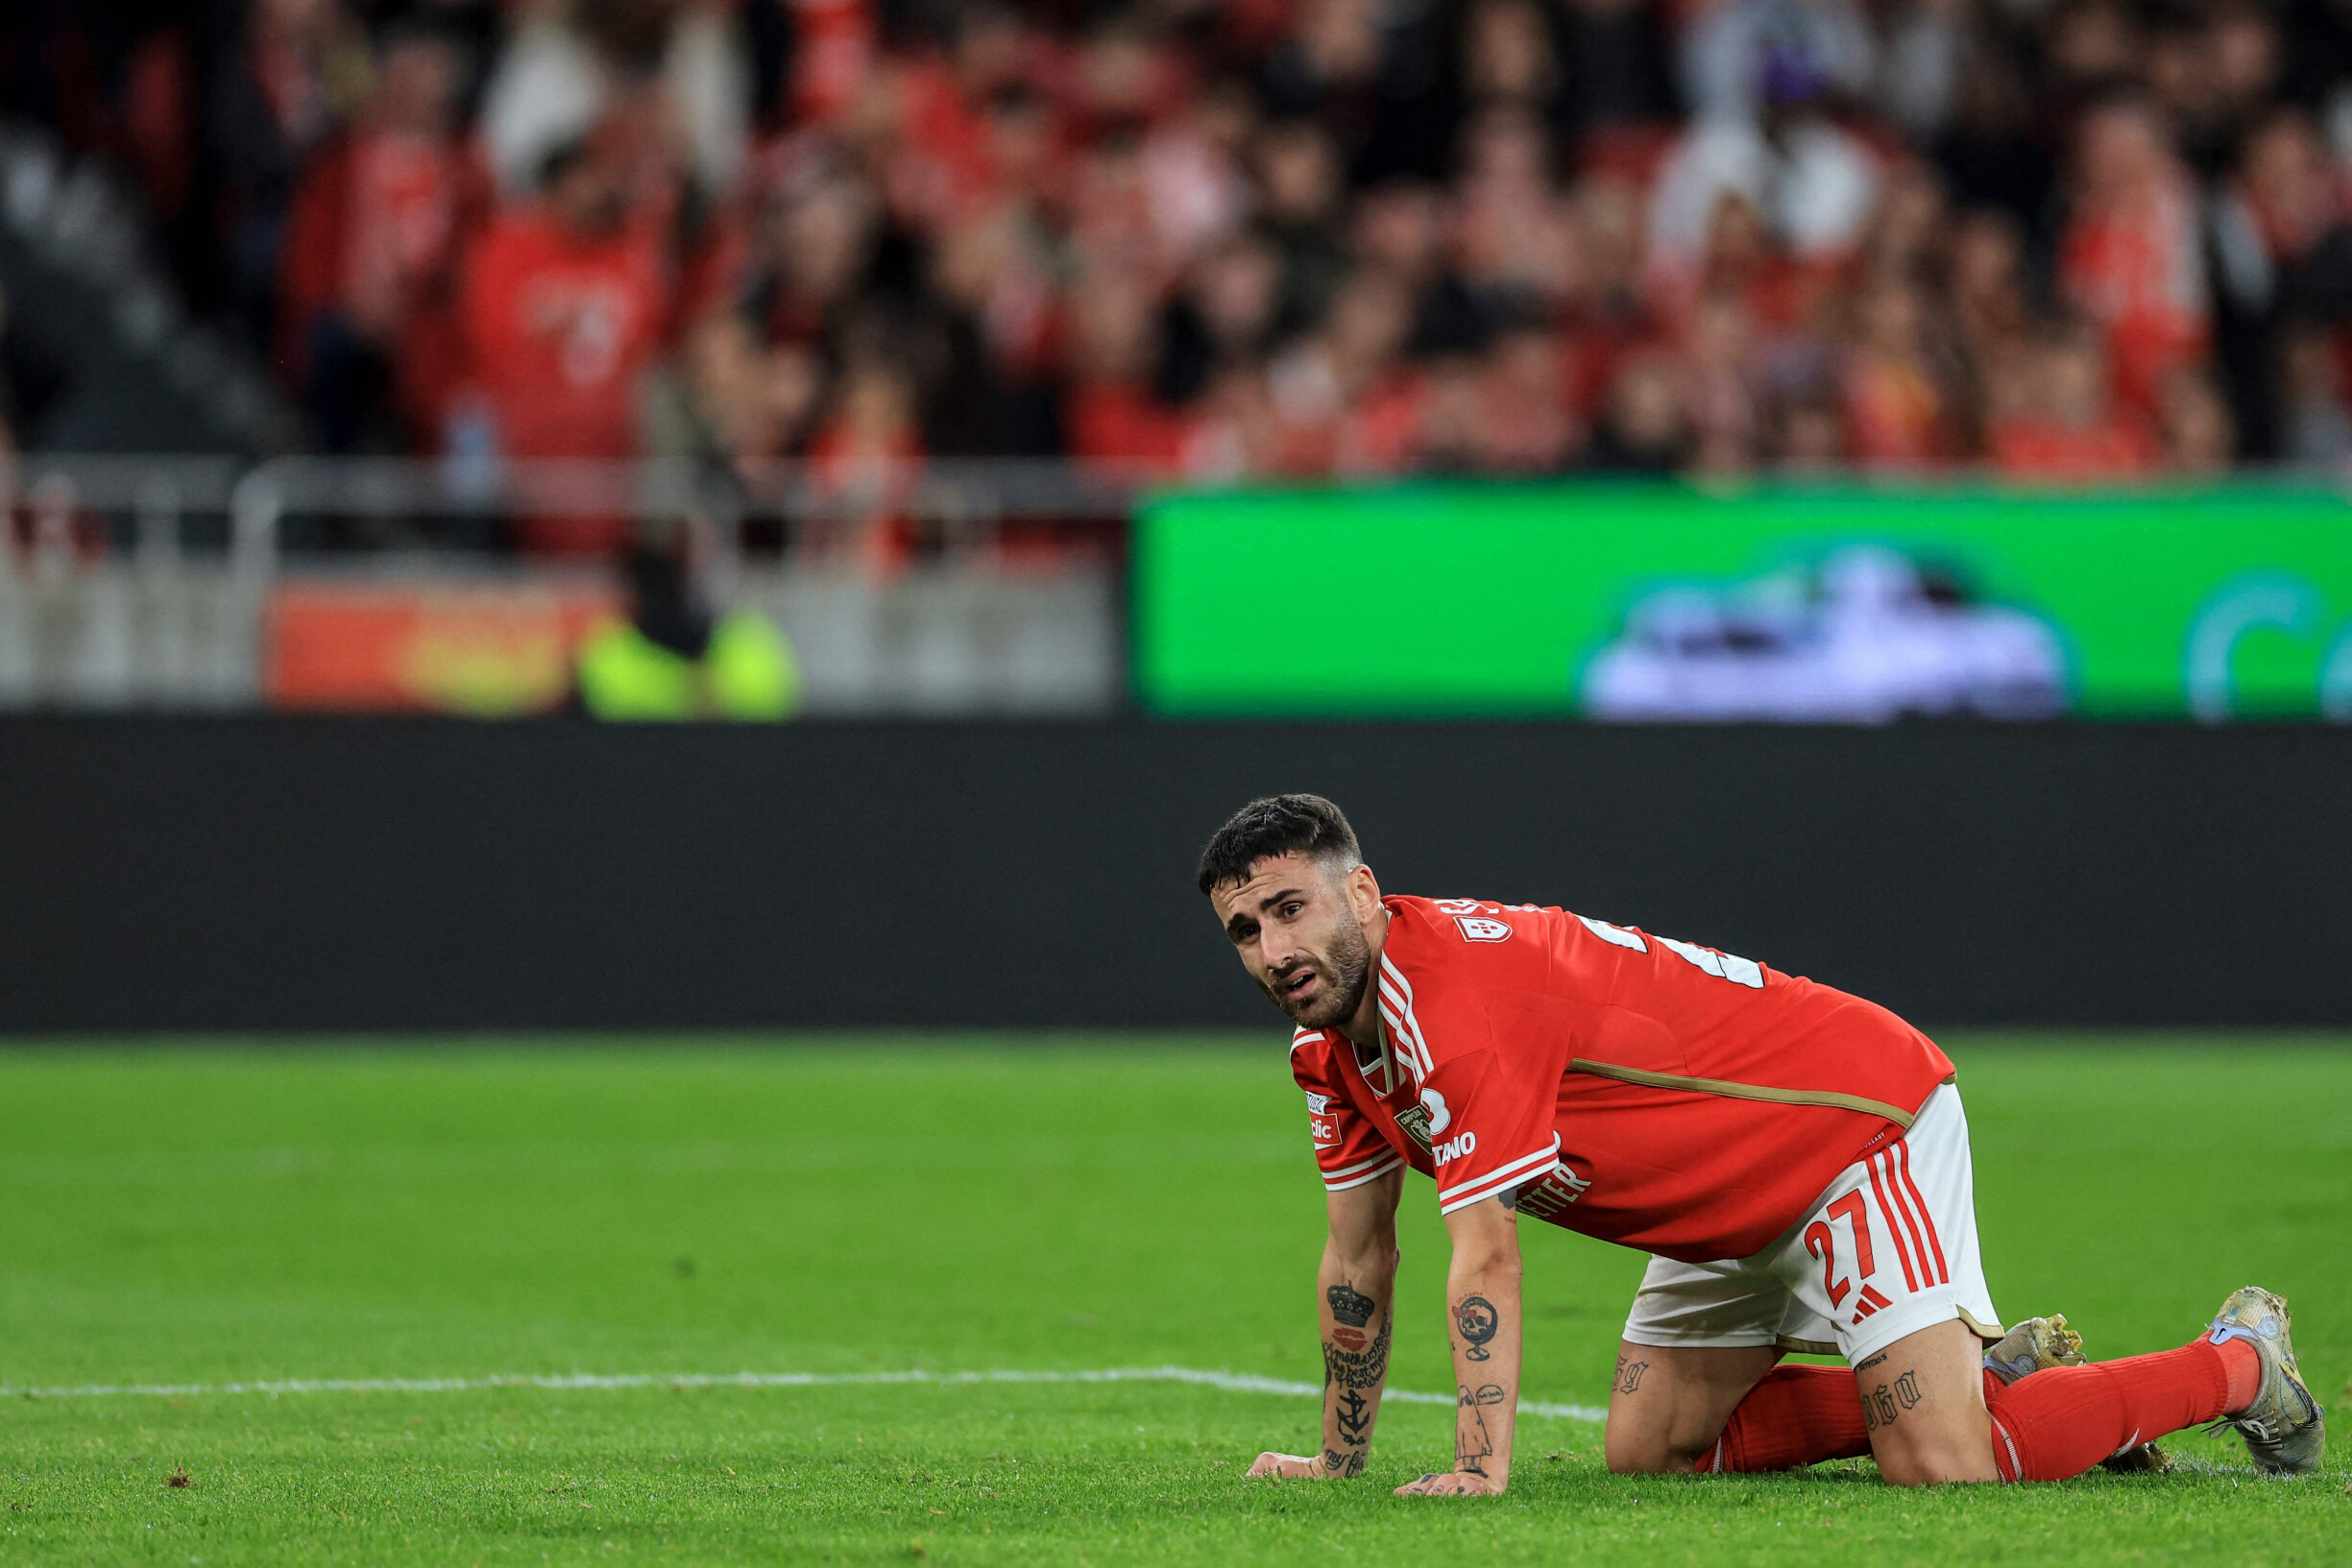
(1888, 1250)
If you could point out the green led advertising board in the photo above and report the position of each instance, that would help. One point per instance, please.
(1661, 600)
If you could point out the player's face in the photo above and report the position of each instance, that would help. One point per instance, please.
(1300, 935)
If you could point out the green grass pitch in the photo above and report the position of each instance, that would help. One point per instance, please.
(201, 1215)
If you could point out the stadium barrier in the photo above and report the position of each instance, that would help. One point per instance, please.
(1840, 600)
(297, 873)
(164, 582)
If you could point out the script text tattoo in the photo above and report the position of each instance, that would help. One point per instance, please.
(1883, 1405)
(1358, 1368)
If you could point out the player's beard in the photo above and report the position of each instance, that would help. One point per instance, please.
(1345, 967)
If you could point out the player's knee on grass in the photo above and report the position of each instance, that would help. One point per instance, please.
(1923, 1401)
(1649, 1455)
(1635, 1448)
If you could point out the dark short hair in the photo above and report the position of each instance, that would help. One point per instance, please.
(1273, 826)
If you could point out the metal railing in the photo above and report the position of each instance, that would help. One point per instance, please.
(960, 503)
(148, 581)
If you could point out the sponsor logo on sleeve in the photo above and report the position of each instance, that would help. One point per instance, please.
(1317, 1105)
(1479, 928)
(1455, 1149)
(1440, 1115)
(1324, 1132)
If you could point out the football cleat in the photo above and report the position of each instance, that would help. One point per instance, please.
(2284, 1428)
(2041, 1342)
(2036, 1343)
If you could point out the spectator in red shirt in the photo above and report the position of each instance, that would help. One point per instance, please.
(1529, 427)
(1896, 402)
(367, 289)
(1110, 414)
(566, 303)
(949, 153)
(866, 455)
(1344, 402)
(2130, 259)
(2069, 429)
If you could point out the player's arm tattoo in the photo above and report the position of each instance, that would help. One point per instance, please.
(1477, 1322)
(1354, 1371)
(1350, 1310)
(1364, 1368)
(1629, 1374)
(1473, 1446)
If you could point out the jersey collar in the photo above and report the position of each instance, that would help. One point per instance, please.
(1381, 1076)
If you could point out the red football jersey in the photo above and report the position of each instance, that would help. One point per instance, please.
(1645, 1091)
(559, 329)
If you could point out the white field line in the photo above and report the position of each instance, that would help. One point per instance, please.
(1244, 1382)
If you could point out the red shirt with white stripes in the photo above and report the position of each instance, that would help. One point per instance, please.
(1645, 1091)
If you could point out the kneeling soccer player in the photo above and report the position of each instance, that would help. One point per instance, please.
(1796, 1160)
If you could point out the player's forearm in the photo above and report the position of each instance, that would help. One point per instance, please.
(1355, 1293)
(1482, 1298)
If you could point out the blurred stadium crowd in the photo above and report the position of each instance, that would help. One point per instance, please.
(2057, 239)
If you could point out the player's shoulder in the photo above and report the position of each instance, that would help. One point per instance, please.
(1445, 959)
(1312, 1057)
(1437, 933)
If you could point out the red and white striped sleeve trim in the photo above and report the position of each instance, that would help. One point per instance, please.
(1362, 1172)
(1527, 1167)
(1405, 1030)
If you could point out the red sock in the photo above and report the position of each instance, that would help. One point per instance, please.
(2061, 1421)
(1796, 1415)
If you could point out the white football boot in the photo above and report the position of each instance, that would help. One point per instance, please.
(2284, 1429)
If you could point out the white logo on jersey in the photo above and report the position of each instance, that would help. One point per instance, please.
(1455, 1149)
(1317, 1105)
(1439, 1116)
(1478, 929)
(1459, 907)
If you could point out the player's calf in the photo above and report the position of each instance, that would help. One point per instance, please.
(2242, 1372)
(1801, 1415)
(1670, 1403)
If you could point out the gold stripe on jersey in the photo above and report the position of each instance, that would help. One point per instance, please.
(1743, 1091)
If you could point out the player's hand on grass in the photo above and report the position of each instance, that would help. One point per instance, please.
(1451, 1484)
(1303, 1466)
